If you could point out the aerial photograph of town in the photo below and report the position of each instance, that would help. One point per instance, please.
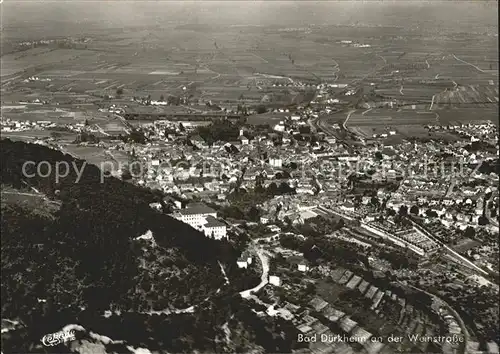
(249, 176)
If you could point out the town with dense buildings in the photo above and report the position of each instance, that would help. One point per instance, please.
(363, 220)
(413, 211)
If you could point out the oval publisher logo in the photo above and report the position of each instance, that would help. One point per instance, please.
(53, 339)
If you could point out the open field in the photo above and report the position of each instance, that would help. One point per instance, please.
(14, 63)
(31, 200)
(398, 117)
(266, 118)
(98, 155)
(52, 115)
(468, 115)
(275, 63)
(390, 117)
(466, 244)
(30, 135)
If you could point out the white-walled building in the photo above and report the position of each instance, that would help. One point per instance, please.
(244, 262)
(214, 228)
(195, 215)
(274, 280)
(279, 128)
(276, 162)
(204, 219)
(302, 267)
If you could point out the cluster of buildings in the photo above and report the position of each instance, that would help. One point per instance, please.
(315, 319)
(318, 173)
(209, 172)
(436, 178)
(11, 125)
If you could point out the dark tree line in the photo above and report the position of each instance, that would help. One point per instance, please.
(220, 130)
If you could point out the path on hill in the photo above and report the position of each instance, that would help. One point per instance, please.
(264, 259)
(465, 62)
(347, 118)
(22, 193)
(223, 271)
(227, 330)
(384, 59)
(191, 308)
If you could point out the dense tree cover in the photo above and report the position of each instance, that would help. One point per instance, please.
(251, 213)
(414, 210)
(487, 167)
(85, 137)
(319, 246)
(400, 260)
(135, 136)
(283, 188)
(483, 220)
(479, 146)
(219, 130)
(431, 213)
(85, 256)
(478, 307)
(320, 225)
(261, 109)
(243, 203)
(201, 331)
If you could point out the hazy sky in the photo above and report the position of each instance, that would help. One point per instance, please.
(452, 15)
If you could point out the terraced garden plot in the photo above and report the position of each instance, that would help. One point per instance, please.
(345, 277)
(371, 292)
(332, 314)
(363, 286)
(347, 324)
(355, 280)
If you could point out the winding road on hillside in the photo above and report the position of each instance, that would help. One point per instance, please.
(264, 259)
(191, 308)
(264, 277)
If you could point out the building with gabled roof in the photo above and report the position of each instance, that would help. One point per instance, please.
(214, 228)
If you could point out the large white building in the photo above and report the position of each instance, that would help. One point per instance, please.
(276, 162)
(214, 228)
(195, 215)
(204, 219)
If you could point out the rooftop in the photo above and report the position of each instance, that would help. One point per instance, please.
(297, 260)
(193, 209)
(213, 222)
